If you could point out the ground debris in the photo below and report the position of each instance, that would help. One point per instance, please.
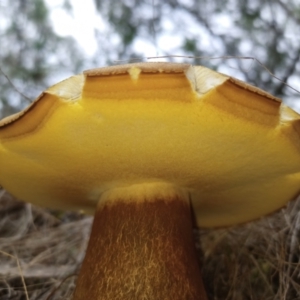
(43, 249)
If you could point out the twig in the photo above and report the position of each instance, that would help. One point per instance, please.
(14, 87)
(20, 270)
(235, 57)
(217, 57)
(61, 283)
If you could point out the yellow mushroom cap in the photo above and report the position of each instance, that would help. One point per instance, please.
(232, 147)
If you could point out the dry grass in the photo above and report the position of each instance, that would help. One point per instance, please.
(49, 246)
(41, 251)
(256, 261)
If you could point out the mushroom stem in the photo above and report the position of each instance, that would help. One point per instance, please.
(141, 250)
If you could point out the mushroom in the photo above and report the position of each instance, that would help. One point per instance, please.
(152, 150)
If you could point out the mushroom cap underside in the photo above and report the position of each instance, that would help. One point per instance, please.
(233, 148)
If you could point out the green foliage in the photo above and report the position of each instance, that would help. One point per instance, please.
(190, 45)
(31, 52)
(265, 30)
(118, 16)
(38, 12)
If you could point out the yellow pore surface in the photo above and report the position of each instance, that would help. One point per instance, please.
(231, 147)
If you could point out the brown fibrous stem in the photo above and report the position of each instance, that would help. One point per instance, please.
(141, 250)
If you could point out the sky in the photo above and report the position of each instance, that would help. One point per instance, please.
(80, 24)
(83, 20)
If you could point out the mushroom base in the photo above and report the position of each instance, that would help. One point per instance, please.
(141, 250)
